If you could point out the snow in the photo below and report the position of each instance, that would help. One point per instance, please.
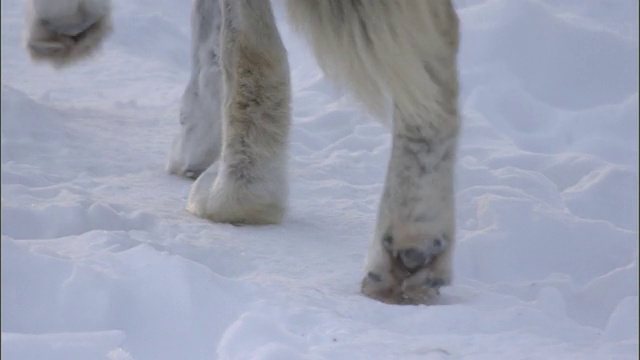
(101, 261)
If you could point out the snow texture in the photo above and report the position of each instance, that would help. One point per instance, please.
(101, 261)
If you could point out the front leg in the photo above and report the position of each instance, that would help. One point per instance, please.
(409, 258)
(251, 181)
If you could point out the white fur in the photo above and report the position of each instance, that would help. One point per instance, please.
(251, 185)
(402, 50)
(377, 48)
(405, 50)
(199, 141)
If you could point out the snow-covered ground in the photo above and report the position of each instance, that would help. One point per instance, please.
(101, 261)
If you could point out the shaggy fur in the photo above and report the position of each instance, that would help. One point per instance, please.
(405, 50)
(199, 141)
(236, 109)
(251, 186)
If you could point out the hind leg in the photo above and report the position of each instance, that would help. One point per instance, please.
(249, 185)
(409, 258)
(198, 143)
(405, 50)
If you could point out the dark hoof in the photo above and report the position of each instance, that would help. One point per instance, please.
(412, 258)
(374, 277)
(434, 283)
(193, 174)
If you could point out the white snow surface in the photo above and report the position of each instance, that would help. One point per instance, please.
(101, 261)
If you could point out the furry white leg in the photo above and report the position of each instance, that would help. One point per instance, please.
(198, 143)
(405, 50)
(410, 255)
(251, 183)
(63, 32)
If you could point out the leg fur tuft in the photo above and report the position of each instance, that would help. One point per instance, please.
(379, 49)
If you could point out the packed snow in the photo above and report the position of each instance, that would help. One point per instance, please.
(100, 260)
